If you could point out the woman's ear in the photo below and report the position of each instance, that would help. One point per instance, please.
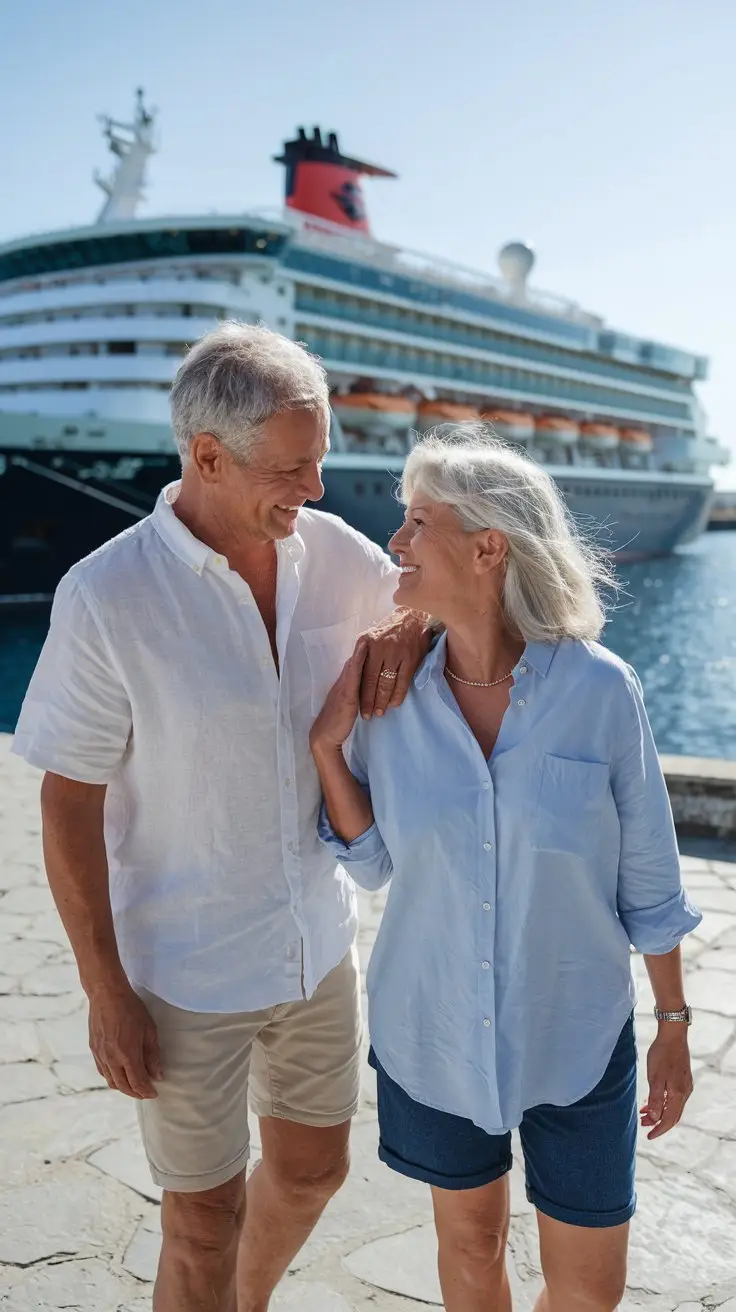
(492, 550)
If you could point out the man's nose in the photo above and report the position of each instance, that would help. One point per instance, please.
(313, 485)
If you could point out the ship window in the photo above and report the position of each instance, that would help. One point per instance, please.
(360, 489)
(378, 489)
(70, 431)
(121, 348)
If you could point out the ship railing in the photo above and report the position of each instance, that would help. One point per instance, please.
(320, 234)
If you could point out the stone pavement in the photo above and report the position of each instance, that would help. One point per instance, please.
(79, 1226)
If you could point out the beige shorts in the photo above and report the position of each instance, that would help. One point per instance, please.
(299, 1061)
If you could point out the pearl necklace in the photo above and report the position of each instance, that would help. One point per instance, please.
(476, 683)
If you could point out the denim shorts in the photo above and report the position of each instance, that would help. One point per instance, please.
(579, 1159)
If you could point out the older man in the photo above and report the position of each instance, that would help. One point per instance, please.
(171, 709)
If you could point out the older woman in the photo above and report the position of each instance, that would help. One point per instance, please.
(516, 802)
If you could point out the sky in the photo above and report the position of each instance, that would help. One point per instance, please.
(601, 133)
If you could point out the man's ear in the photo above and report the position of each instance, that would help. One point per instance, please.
(207, 456)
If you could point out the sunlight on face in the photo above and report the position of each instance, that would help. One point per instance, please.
(282, 473)
(436, 555)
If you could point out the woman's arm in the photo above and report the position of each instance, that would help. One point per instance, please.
(652, 904)
(347, 805)
(668, 1060)
(346, 824)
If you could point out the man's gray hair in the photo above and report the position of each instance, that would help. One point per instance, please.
(554, 577)
(238, 376)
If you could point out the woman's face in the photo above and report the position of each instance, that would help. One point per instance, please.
(443, 567)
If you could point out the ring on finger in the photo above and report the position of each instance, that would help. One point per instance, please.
(389, 674)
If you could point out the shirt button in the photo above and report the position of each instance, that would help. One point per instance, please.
(290, 847)
(486, 786)
(486, 906)
(488, 846)
(486, 965)
(287, 783)
(486, 1022)
(264, 661)
(520, 701)
(523, 669)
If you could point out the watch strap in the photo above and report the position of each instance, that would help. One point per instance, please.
(685, 1017)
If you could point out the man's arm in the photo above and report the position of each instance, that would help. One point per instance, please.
(122, 1035)
(395, 649)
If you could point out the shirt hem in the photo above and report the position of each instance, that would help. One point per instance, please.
(588, 1085)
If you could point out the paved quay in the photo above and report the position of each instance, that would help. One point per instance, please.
(79, 1224)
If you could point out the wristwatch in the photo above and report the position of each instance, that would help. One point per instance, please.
(685, 1016)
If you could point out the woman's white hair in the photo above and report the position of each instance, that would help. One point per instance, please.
(238, 376)
(554, 577)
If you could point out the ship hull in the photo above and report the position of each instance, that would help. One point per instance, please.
(56, 505)
(636, 515)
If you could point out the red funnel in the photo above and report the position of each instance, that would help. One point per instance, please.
(321, 181)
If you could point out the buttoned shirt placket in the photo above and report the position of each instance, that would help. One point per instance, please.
(298, 962)
(487, 880)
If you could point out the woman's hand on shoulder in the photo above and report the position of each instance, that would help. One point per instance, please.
(338, 715)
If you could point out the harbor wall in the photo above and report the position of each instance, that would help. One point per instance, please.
(703, 795)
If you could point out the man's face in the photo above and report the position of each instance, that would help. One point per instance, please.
(264, 496)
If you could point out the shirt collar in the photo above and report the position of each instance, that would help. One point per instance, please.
(537, 654)
(540, 656)
(187, 547)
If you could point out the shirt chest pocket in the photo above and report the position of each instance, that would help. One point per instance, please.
(327, 651)
(572, 798)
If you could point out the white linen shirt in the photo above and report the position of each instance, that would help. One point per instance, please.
(157, 679)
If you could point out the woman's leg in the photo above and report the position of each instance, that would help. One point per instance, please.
(472, 1225)
(584, 1269)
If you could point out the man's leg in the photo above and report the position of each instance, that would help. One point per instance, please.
(302, 1167)
(584, 1269)
(304, 1087)
(195, 1132)
(198, 1260)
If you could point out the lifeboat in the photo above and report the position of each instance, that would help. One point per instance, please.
(599, 437)
(431, 413)
(636, 440)
(364, 411)
(511, 425)
(556, 430)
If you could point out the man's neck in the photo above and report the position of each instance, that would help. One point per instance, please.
(246, 554)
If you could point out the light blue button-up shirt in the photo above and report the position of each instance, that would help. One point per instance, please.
(501, 974)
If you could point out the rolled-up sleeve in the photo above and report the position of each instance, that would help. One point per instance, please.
(652, 904)
(367, 858)
(76, 717)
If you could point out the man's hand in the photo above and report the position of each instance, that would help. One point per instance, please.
(670, 1079)
(123, 1042)
(397, 646)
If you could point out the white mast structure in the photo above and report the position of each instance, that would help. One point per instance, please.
(132, 143)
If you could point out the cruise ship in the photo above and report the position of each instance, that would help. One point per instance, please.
(94, 321)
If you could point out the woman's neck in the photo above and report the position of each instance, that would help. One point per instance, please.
(479, 650)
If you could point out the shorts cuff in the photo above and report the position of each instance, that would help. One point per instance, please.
(280, 1112)
(588, 1220)
(436, 1178)
(196, 1184)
